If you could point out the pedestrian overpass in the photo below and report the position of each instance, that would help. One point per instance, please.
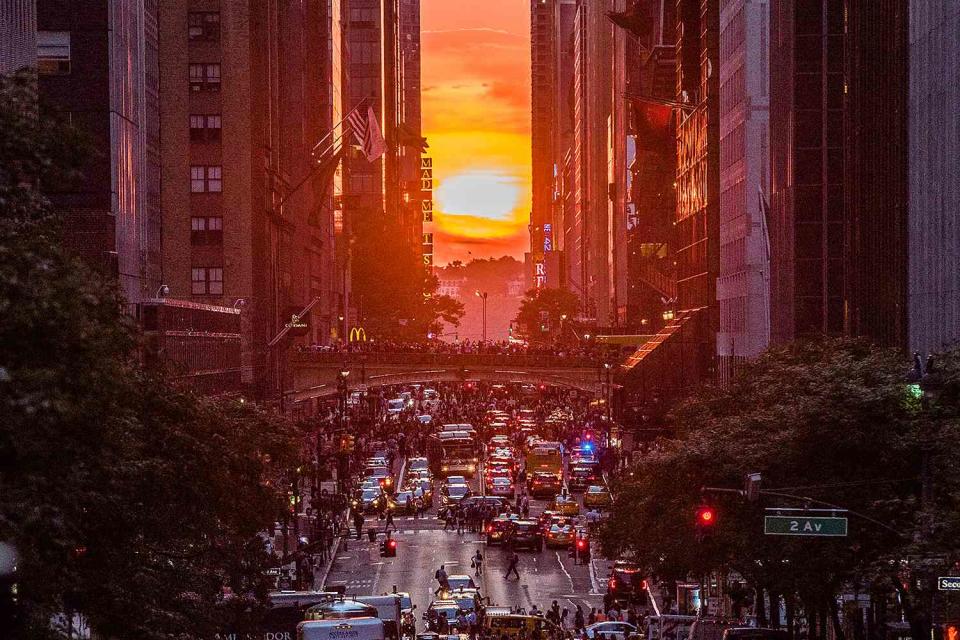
(315, 374)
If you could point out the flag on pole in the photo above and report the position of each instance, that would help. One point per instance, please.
(367, 132)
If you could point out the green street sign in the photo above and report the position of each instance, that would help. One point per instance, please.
(814, 526)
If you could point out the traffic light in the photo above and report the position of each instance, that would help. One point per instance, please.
(706, 517)
(706, 520)
(388, 548)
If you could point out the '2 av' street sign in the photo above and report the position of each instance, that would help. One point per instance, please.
(800, 525)
(948, 583)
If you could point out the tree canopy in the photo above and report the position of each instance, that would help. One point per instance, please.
(128, 500)
(832, 421)
(543, 311)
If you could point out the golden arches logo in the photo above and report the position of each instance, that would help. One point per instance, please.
(358, 334)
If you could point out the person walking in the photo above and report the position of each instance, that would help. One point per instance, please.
(442, 579)
(578, 622)
(514, 561)
(389, 522)
(477, 563)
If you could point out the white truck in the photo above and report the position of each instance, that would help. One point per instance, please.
(348, 629)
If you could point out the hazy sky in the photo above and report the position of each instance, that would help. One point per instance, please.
(476, 116)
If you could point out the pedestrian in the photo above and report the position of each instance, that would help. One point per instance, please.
(389, 522)
(477, 563)
(358, 523)
(448, 519)
(578, 619)
(442, 579)
(564, 615)
(473, 624)
(592, 618)
(460, 518)
(514, 560)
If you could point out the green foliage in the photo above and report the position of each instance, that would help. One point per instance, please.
(829, 420)
(129, 500)
(543, 308)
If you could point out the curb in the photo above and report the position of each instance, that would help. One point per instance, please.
(335, 549)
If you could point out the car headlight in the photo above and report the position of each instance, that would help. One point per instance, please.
(472, 467)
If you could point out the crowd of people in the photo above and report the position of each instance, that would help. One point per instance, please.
(583, 349)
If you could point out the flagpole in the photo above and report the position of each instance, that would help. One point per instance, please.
(334, 128)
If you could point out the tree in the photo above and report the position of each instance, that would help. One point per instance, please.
(129, 500)
(543, 311)
(829, 420)
(395, 292)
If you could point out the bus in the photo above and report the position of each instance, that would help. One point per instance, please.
(452, 454)
(546, 457)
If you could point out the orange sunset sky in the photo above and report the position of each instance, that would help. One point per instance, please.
(476, 116)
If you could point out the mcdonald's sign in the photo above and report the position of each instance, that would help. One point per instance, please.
(358, 334)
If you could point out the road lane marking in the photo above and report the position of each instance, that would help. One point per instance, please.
(565, 572)
(594, 582)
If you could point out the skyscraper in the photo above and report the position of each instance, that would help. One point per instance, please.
(248, 215)
(18, 35)
(744, 281)
(97, 63)
(806, 174)
(934, 155)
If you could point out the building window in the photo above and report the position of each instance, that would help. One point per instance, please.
(204, 25)
(207, 281)
(206, 179)
(206, 230)
(205, 128)
(53, 53)
(205, 77)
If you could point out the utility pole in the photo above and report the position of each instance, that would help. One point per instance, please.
(483, 296)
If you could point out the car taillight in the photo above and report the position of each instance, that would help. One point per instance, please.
(489, 528)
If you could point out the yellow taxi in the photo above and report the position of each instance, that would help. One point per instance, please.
(597, 496)
(565, 506)
(499, 623)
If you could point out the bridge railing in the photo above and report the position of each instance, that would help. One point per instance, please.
(465, 360)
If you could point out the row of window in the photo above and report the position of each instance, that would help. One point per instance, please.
(205, 230)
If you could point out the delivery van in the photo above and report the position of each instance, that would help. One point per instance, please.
(342, 629)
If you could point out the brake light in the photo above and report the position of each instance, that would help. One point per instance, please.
(489, 528)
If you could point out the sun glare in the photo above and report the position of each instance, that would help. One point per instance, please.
(484, 194)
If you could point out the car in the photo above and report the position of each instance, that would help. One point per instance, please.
(501, 487)
(440, 608)
(395, 407)
(566, 505)
(626, 582)
(495, 504)
(467, 598)
(560, 536)
(610, 630)
(497, 528)
(581, 477)
(460, 581)
(417, 464)
(425, 419)
(401, 501)
(456, 480)
(452, 494)
(370, 499)
(597, 496)
(523, 534)
(544, 484)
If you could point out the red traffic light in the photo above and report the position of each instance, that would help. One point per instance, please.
(706, 516)
(581, 544)
(392, 544)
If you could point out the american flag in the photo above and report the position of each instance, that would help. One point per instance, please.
(367, 132)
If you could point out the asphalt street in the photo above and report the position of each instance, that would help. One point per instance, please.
(423, 546)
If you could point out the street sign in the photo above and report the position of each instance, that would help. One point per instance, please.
(948, 583)
(801, 525)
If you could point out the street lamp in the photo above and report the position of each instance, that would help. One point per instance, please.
(483, 296)
(607, 366)
(162, 292)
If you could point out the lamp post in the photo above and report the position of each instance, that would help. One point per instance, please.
(607, 366)
(483, 296)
